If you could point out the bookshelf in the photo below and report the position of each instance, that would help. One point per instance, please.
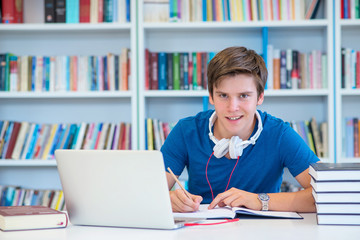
(302, 35)
(347, 35)
(168, 105)
(64, 106)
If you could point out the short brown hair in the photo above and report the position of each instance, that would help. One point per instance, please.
(237, 60)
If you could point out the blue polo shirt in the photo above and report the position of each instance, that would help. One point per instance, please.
(260, 168)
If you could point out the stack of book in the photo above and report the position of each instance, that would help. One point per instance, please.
(336, 190)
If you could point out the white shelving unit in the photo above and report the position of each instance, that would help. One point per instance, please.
(65, 107)
(347, 34)
(214, 36)
(137, 104)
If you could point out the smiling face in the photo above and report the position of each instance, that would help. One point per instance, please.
(235, 99)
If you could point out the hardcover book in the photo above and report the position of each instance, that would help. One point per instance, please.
(335, 186)
(31, 217)
(335, 171)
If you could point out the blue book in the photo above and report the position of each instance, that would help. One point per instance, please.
(34, 198)
(62, 136)
(204, 10)
(76, 136)
(108, 11)
(55, 141)
(172, 13)
(69, 141)
(34, 138)
(47, 73)
(2, 195)
(228, 10)
(115, 11)
(7, 139)
(33, 71)
(224, 10)
(245, 13)
(9, 195)
(128, 11)
(346, 10)
(162, 61)
(146, 137)
(72, 11)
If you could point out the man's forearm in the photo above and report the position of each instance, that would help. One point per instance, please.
(301, 201)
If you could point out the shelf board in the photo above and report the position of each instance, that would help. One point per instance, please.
(348, 160)
(268, 93)
(350, 22)
(64, 27)
(176, 93)
(318, 23)
(350, 92)
(94, 94)
(27, 163)
(296, 92)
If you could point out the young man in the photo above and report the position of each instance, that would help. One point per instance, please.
(235, 155)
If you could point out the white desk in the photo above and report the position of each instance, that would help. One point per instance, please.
(305, 229)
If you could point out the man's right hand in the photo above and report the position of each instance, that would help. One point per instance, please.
(181, 203)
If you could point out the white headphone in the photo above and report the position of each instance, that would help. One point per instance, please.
(235, 145)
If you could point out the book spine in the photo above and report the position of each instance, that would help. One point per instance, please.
(176, 70)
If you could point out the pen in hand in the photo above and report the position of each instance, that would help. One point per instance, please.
(179, 183)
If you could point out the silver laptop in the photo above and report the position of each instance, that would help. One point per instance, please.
(117, 188)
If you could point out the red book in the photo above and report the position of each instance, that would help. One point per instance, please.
(101, 11)
(198, 69)
(342, 9)
(147, 79)
(204, 70)
(19, 11)
(356, 137)
(31, 217)
(13, 138)
(154, 71)
(8, 11)
(190, 71)
(84, 11)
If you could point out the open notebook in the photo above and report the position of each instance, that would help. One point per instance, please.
(228, 212)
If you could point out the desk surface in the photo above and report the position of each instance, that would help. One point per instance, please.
(278, 229)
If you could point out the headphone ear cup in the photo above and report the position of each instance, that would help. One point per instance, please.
(236, 147)
(221, 148)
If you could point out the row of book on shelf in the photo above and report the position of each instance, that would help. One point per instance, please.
(287, 69)
(24, 140)
(65, 73)
(229, 10)
(176, 70)
(350, 68)
(65, 11)
(349, 9)
(315, 135)
(156, 131)
(18, 196)
(350, 137)
(292, 69)
(336, 191)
